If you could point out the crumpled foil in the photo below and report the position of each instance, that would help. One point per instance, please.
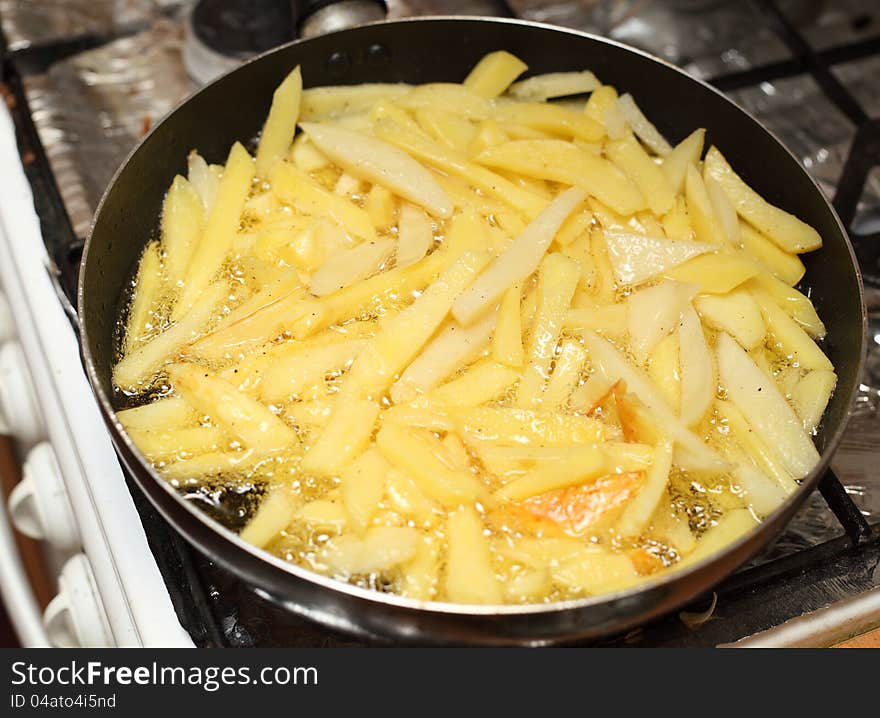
(90, 110)
(37, 22)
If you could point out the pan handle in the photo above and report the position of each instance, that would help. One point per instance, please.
(314, 17)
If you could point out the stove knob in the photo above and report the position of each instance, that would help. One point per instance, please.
(18, 401)
(7, 323)
(75, 617)
(39, 505)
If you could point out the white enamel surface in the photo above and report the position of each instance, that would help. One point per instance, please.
(7, 325)
(138, 608)
(39, 505)
(75, 618)
(18, 400)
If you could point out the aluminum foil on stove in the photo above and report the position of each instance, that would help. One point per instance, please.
(92, 108)
(37, 22)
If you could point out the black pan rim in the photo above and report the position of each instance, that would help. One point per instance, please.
(759, 535)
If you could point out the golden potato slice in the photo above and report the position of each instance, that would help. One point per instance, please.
(493, 74)
(786, 230)
(280, 125)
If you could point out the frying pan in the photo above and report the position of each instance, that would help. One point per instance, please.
(444, 49)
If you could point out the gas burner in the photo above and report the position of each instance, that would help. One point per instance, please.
(220, 34)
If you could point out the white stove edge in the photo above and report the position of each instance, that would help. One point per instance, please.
(824, 627)
(136, 601)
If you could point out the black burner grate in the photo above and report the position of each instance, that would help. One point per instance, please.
(217, 609)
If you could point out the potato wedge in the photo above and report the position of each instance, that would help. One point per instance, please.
(786, 230)
(694, 453)
(204, 178)
(323, 102)
(560, 161)
(729, 528)
(609, 320)
(323, 515)
(724, 211)
(450, 129)
(642, 126)
(764, 407)
(414, 235)
(524, 426)
(788, 336)
(139, 365)
(636, 258)
(715, 272)
(179, 443)
(280, 125)
(274, 514)
(451, 162)
(565, 377)
(664, 369)
(220, 227)
(493, 74)
(549, 117)
(596, 571)
(482, 382)
(736, 313)
(654, 313)
(294, 372)
(376, 161)
(348, 266)
(518, 262)
(551, 85)
(421, 458)
(446, 95)
(402, 338)
(589, 464)
(629, 156)
(811, 396)
(637, 514)
(453, 347)
(148, 288)
(470, 577)
(241, 336)
(296, 187)
(171, 413)
(677, 223)
(381, 548)
(183, 221)
(701, 212)
(557, 279)
(796, 305)
(685, 153)
(363, 485)
(698, 377)
(240, 415)
(507, 344)
(600, 100)
(421, 573)
(345, 436)
(784, 266)
(764, 495)
(306, 157)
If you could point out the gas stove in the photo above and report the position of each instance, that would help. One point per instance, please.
(83, 80)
